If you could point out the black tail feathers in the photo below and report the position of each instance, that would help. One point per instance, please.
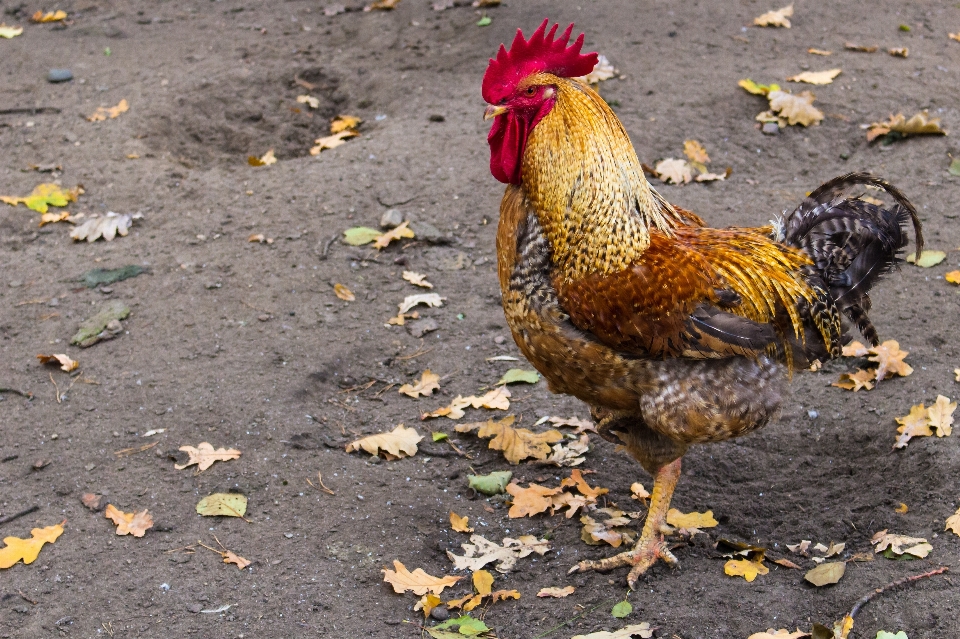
(852, 241)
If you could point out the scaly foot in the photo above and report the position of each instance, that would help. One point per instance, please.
(646, 553)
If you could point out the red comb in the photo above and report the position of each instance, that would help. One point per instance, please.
(541, 53)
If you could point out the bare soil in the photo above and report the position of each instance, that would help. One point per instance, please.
(245, 345)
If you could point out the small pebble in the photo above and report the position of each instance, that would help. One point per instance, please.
(499, 339)
(391, 218)
(436, 117)
(195, 608)
(812, 414)
(59, 75)
(440, 613)
(770, 128)
(263, 318)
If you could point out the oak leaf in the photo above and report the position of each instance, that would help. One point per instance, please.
(428, 382)
(399, 442)
(641, 630)
(332, 141)
(460, 524)
(418, 582)
(266, 159)
(135, 524)
(482, 551)
(556, 593)
(397, 233)
(673, 171)
(581, 425)
(517, 444)
(497, 399)
(27, 550)
(102, 113)
(900, 544)
(532, 500)
(223, 505)
(920, 124)
(44, 196)
(576, 480)
(430, 299)
(953, 523)
(602, 70)
(855, 349)
(343, 293)
(106, 226)
(417, 279)
(66, 364)
(916, 424)
(204, 456)
(779, 634)
(745, 568)
(230, 557)
(941, 416)
(889, 358)
(778, 18)
(796, 108)
(815, 77)
(6, 31)
(858, 380)
(612, 531)
(691, 521)
(570, 455)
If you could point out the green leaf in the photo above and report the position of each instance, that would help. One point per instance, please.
(467, 625)
(889, 554)
(826, 574)
(954, 167)
(883, 634)
(439, 437)
(757, 89)
(91, 330)
(927, 258)
(492, 484)
(484, 21)
(904, 27)
(360, 235)
(622, 609)
(515, 375)
(223, 504)
(98, 276)
(443, 634)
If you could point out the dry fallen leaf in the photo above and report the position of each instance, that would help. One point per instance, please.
(108, 227)
(901, 544)
(230, 557)
(344, 123)
(343, 293)
(401, 319)
(642, 630)
(856, 381)
(44, 196)
(482, 551)
(953, 277)
(855, 349)
(801, 547)
(902, 508)
(427, 603)
(309, 100)
(497, 399)
(954, 36)
(204, 456)
(673, 171)
(953, 523)
(430, 299)
(815, 77)
(418, 582)
(223, 505)
(266, 159)
(428, 382)
(66, 364)
(796, 109)
(819, 51)
(889, 358)
(602, 70)
(381, 5)
(397, 233)
(8, 32)
(638, 492)
(941, 416)
(135, 524)
(532, 500)
(745, 568)
(332, 141)
(570, 455)
(826, 574)
(102, 113)
(417, 279)
(27, 550)
(899, 52)
(517, 444)
(919, 124)
(916, 424)
(692, 520)
(696, 154)
(778, 18)
(399, 442)
(786, 563)
(612, 531)
(460, 524)
(556, 593)
(754, 88)
(779, 634)
(49, 16)
(850, 46)
(927, 259)
(581, 425)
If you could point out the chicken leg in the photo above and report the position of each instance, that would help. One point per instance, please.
(650, 547)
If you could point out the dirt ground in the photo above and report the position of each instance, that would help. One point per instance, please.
(245, 344)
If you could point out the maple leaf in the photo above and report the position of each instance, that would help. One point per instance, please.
(941, 416)
(570, 455)
(779, 634)
(44, 196)
(920, 124)
(428, 382)
(691, 521)
(430, 299)
(642, 630)
(102, 113)
(266, 159)
(517, 444)
(673, 171)
(815, 77)
(953, 523)
(556, 593)
(344, 123)
(482, 551)
(332, 141)
(343, 293)
(204, 456)
(901, 544)
(778, 18)
(27, 550)
(796, 109)
(602, 70)
(397, 233)
(8, 32)
(916, 424)
(856, 381)
(418, 582)
(530, 501)
(108, 227)
(66, 364)
(889, 358)
(397, 443)
(417, 279)
(135, 524)
(855, 349)
(745, 568)
(460, 524)
(497, 399)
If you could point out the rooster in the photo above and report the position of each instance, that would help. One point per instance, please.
(674, 333)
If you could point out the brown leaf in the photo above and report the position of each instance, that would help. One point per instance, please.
(427, 383)
(941, 416)
(556, 593)
(612, 531)
(230, 557)
(49, 16)
(135, 524)
(91, 501)
(397, 233)
(581, 425)
(482, 551)
(460, 524)
(855, 349)
(819, 52)
(890, 359)
(796, 108)
(497, 399)
(576, 479)
(66, 364)
(381, 5)
(826, 574)
(418, 582)
(517, 444)
(343, 293)
(916, 424)
(417, 279)
(102, 113)
(778, 18)
(204, 456)
(919, 124)
(399, 442)
(530, 501)
(850, 46)
(786, 563)
(899, 52)
(266, 159)
(901, 544)
(856, 381)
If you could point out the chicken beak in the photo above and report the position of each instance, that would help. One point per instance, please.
(493, 111)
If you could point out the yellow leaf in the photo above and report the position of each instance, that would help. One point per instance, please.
(695, 152)
(517, 444)
(556, 593)
(43, 196)
(899, 52)
(50, 16)
(135, 524)
(27, 550)
(66, 364)
(344, 123)
(102, 113)
(397, 233)
(856, 381)
(901, 544)
(9, 32)
(691, 520)
(51, 218)
(952, 276)
(902, 508)
(428, 382)
(460, 524)
(266, 159)
(954, 36)
(890, 359)
(204, 456)
(223, 505)
(530, 501)
(637, 491)
(673, 171)
(343, 293)
(919, 124)
(750, 86)
(418, 582)
(953, 523)
(399, 442)
(482, 582)
(916, 424)
(745, 568)
(427, 603)
(815, 77)
(797, 109)
(941, 416)
(332, 141)
(778, 18)
(419, 279)
(503, 595)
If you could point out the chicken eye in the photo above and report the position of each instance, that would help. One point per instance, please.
(531, 90)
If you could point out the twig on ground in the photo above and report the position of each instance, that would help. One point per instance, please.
(136, 449)
(890, 586)
(417, 354)
(5, 389)
(322, 486)
(22, 513)
(327, 245)
(26, 598)
(29, 110)
(570, 621)
(57, 388)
